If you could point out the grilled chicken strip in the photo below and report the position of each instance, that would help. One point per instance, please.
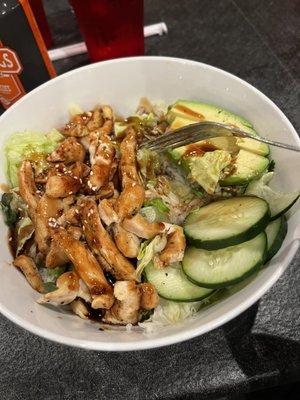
(47, 208)
(128, 243)
(102, 155)
(132, 197)
(87, 268)
(149, 298)
(101, 243)
(82, 124)
(79, 308)
(29, 269)
(175, 247)
(56, 257)
(107, 212)
(69, 217)
(130, 201)
(27, 187)
(62, 186)
(128, 161)
(69, 151)
(143, 228)
(125, 309)
(67, 290)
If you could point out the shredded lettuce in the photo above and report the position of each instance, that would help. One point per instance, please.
(10, 213)
(49, 287)
(169, 313)
(148, 163)
(158, 204)
(274, 198)
(49, 277)
(155, 210)
(207, 170)
(74, 109)
(153, 215)
(16, 216)
(25, 229)
(148, 250)
(119, 128)
(30, 145)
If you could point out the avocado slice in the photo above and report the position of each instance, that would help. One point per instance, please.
(249, 154)
(248, 166)
(185, 112)
(197, 111)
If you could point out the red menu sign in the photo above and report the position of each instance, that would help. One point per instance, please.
(11, 88)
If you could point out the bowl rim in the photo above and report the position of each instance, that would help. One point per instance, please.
(149, 342)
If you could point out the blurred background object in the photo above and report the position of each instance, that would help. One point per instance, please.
(38, 10)
(111, 28)
(80, 48)
(24, 61)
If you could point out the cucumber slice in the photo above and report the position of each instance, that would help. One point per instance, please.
(226, 222)
(276, 232)
(220, 268)
(248, 166)
(172, 284)
(279, 202)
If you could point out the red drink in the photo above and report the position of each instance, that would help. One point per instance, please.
(111, 28)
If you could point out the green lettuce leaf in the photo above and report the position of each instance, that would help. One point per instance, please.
(207, 170)
(30, 145)
(158, 204)
(148, 250)
(49, 287)
(25, 229)
(74, 109)
(10, 214)
(277, 201)
(50, 275)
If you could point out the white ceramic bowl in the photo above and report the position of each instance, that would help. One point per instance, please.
(121, 83)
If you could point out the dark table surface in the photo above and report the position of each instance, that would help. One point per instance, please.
(258, 41)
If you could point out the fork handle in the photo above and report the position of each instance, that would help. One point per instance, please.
(238, 132)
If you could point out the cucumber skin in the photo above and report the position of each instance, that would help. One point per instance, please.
(253, 231)
(278, 240)
(282, 212)
(187, 301)
(237, 280)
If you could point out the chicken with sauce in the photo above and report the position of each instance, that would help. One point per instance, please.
(86, 207)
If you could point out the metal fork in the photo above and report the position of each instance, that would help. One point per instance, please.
(202, 131)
